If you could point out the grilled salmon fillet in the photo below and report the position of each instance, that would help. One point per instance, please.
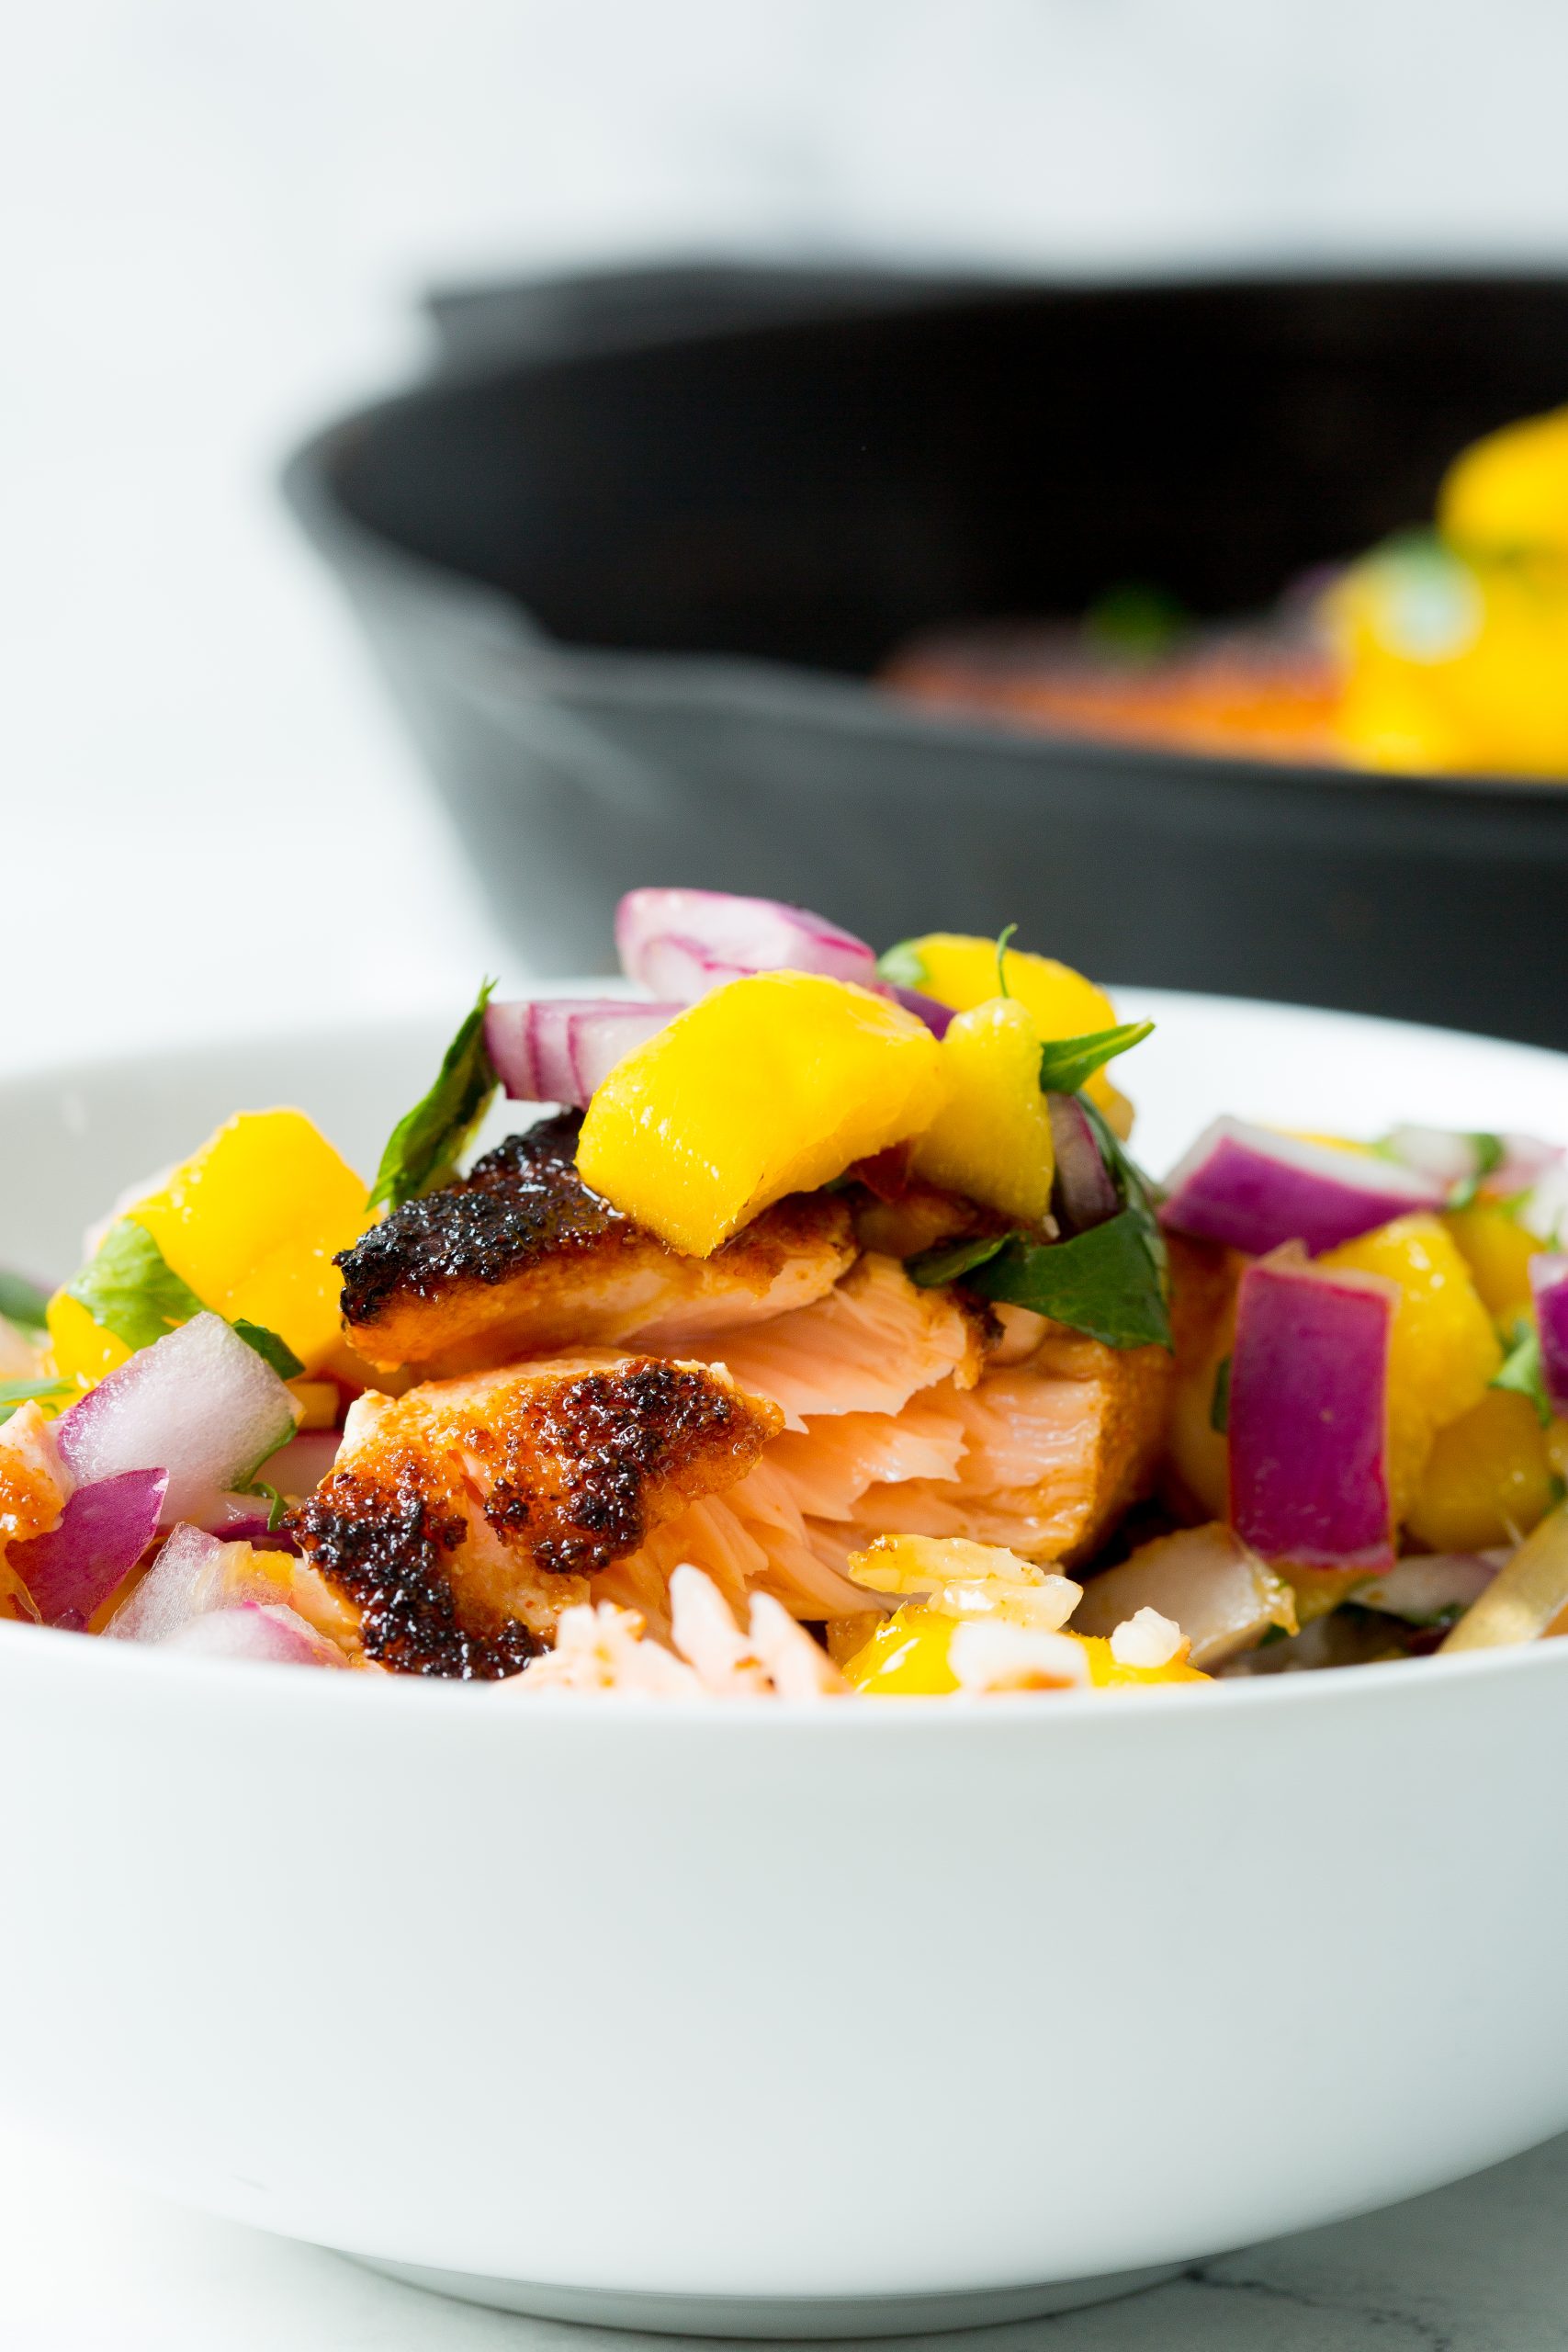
(519, 1258)
(463, 1517)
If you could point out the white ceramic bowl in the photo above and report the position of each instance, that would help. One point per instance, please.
(735, 2018)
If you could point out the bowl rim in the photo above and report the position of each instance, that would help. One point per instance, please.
(490, 641)
(1324, 1686)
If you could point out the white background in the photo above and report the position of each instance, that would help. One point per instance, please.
(215, 216)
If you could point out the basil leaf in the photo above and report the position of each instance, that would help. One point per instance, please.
(271, 1349)
(22, 1302)
(952, 1260)
(903, 965)
(1522, 1372)
(422, 1150)
(131, 1289)
(1066, 1063)
(16, 1393)
(1104, 1283)
(1220, 1401)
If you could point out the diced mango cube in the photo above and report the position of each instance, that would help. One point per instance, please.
(81, 1349)
(1498, 1248)
(1509, 490)
(962, 971)
(991, 1139)
(773, 1084)
(1487, 1479)
(251, 1224)
(1443, 1349)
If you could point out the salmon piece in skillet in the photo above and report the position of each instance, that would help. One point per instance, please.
(519, 1259)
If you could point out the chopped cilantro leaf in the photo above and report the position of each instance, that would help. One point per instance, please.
(276, 1504)
(1003, 936)
(423, 1147)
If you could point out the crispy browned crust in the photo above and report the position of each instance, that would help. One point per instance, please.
(519, 1258)
(563, 1472)
(1135, 1385)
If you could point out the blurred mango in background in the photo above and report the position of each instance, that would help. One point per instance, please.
(1455, 643)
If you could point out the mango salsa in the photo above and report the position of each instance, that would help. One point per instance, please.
(907, 1658)
(961, 971)
(1487, 1480)
(250, 1223)
(1443, 1351)
(773, 1084)
(991, 1139)
(1498, 1248)
(1509, 491)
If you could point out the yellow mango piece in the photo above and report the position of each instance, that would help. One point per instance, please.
(773, 1084)
(991, 1139)
(907, 1658)
(1498, 1248)
(1443, 1349)
(81, 1349)
(962, 971)
(252, 1222)
(1487, 1478)
(1511, 490)
(1454, 662)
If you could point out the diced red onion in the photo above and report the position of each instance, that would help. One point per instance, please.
(1548, 1288)
(193, 1573)
(1422, 1589)
(243, 1518)
(103, 1531)
(1308, 1415)
(560, 1049)
(683, 943)
(938, 1018)
(298, 1468)
(1253, 1190)
(198, 1404)
(267, 1631)
(1085, 1193)
(1451, 1157)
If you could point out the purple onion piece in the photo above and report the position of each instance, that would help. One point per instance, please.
(938, 1018)
(1309, 1415)
(560, 1049)
(1254, 1190)
(1548, 1288)
(1084, 1194)
(1450, 1158)
(267, 1632)
(683, 943)
(103, 1531)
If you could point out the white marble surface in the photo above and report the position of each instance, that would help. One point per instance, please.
(88, 2266)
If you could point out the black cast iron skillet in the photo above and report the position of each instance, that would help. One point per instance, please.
(629, 560)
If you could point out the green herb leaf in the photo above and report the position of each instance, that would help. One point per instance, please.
(131, 1289)
(270, 1347)
(950, 1260)
(22, 1302)
(1522, 1372)
(276, 1505)
(1104, 1283)
(1066, 1063)
(1489, 1151)
(23, 1391)
(903, 966)
(1220, 1402)
(423, 1148)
